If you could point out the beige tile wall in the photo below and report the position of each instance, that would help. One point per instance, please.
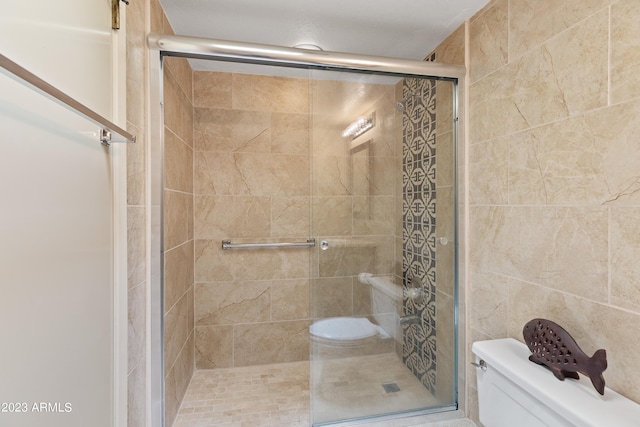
(136, 78)
(353, 201)
(553, 181)
(251, 184)
(144, 17)
(179, 332)
(353, 197)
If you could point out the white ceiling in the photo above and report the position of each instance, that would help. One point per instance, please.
(408, 29)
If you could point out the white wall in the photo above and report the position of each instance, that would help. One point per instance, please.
(58, 220)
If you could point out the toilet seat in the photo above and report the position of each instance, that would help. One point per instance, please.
(343, 328)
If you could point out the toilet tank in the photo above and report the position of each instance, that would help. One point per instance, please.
(512, 391)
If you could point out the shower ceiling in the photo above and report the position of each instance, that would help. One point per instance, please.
(407, 29)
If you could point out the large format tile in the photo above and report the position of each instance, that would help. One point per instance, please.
(178, 218)
(232, 130)
(136, 244)
(373, 215)
(544, 85)
(561, 248)
(266, 93)
(290, 299)
(224, 303)
(585, 160)
(331, 297)
(352, 256)
(178, 378)
(624, 247)
(178, 165)
(332, 175)
(214, 264)
(490, 309)
(136, 326)
(625, 50)
(178, 326)
(178, 110)
(256, 174)
(276, 342)
(532, 22)
(332, 216)
(181, 71)
(489, 172)
(290, 216)
(136, 392)
(213, 347)
(451, 50)
(136, 168)
(211, 89)
(230, 217)
(178, 272)
(488, 41)
(290, 133)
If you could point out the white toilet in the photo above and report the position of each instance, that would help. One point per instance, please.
(512, 391)
(356, 331)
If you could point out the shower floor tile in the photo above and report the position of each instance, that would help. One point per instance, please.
(255, 396)
(278, 395)
(353, 387)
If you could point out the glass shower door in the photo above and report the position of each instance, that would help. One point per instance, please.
(382, 277)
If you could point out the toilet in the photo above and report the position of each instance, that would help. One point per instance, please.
(512, 391)
(344, 331)
(359, 331)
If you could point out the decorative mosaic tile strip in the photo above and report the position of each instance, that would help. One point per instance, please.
(419, 226)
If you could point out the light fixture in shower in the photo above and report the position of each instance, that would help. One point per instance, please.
(360, 126)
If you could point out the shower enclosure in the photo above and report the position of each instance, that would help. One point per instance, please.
(310, 187)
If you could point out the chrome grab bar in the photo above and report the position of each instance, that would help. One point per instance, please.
(226, 244)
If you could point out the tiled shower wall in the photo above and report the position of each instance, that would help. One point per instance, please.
(144, 17)
(353, 196)
(136, 217)
(419, 227)
(553, 172)
(178, 233)
(428, 200)
(253, 183)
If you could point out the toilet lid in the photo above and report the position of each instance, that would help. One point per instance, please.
(343, 328)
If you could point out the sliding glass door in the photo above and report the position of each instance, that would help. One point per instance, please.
(383, 275)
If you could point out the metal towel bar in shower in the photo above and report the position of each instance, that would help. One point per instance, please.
(226, 244)
(35, 82)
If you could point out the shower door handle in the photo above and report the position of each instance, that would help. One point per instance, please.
(324, 245)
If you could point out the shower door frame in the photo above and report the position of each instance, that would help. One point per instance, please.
(161, 45)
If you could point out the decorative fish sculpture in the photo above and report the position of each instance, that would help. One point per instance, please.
(555, 349)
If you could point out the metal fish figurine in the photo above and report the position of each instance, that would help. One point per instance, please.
(555, 349)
